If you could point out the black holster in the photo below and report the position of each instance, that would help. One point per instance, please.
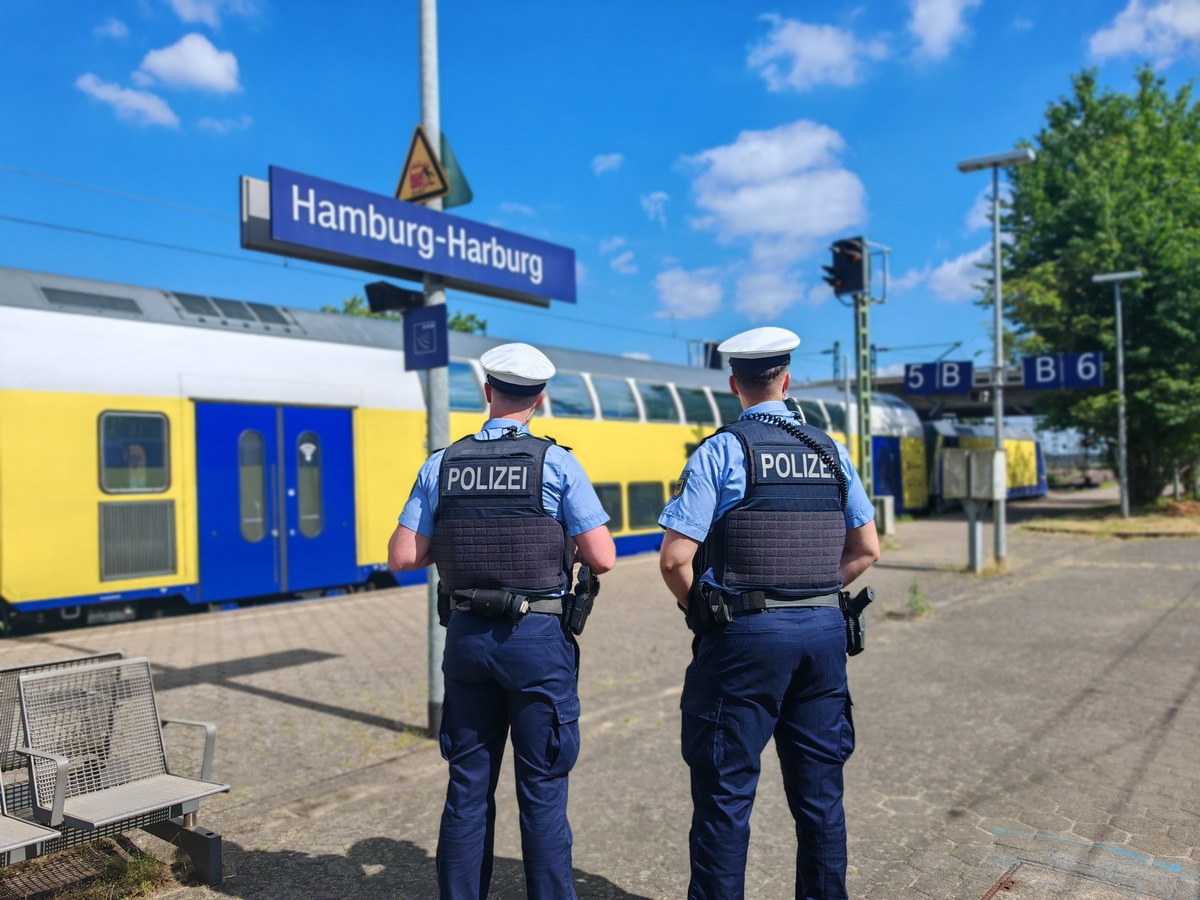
(443, 605)
(707, 610)
(577, 606)
(856, 623)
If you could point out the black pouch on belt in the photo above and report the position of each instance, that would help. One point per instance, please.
(443, 605)
(494, 603)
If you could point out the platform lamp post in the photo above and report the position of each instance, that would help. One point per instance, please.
(1115, 279)
(996, 162)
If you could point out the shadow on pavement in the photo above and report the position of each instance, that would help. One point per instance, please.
(374, 867)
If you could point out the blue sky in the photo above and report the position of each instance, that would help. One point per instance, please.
(699, 157)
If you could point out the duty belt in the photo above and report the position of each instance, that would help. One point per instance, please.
(551, 606)
(753, 601)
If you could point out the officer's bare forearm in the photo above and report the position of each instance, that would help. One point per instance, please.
(675, 564)
(859, 552)
(409, 550)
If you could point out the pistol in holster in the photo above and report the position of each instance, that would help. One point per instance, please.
(443, 605)
(856, 624)
(577, 605)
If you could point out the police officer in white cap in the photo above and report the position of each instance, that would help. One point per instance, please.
(504, 516)
(768, 523)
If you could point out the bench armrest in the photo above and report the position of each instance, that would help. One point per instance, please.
(210, 741)
(54, 815)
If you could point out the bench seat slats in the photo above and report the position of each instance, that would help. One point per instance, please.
(16, 833)
(98, 808)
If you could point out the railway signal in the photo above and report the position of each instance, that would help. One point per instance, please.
(848, 274)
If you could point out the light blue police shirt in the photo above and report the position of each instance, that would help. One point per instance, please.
(567, 494)
(714, 481)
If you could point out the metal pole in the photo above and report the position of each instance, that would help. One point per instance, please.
(1122, 459)
(862, 337)
(438, 396)
(998, 370)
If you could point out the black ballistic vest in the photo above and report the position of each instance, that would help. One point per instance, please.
(491, 529)
(787, 534)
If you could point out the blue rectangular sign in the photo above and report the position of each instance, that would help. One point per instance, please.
(1064, 370)
(947, 377)
(324, 215)
(426, 338)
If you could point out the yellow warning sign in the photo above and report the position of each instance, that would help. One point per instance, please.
(423, 177)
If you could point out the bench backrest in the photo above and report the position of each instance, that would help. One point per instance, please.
(12, 734)
(103, 718)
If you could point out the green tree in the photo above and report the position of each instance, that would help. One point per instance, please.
(1116, 187)
(357, 306)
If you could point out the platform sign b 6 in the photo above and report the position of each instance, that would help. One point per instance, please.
(1064, 370)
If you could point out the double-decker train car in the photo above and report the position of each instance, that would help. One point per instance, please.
(1025, 465)
(161, 448)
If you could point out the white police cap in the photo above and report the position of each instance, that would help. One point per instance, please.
(520, 370)
(760, 348)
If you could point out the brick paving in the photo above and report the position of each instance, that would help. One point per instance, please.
(1041, 724)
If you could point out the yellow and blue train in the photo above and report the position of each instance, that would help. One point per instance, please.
(161, 448)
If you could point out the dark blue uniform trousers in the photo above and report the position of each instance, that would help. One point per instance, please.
(781, 673)
(501, 676)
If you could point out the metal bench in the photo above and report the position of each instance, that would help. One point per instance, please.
(20, 839)
(97, 764)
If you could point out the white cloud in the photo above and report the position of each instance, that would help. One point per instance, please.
(192, 62)
(607, 162)
(688, 295)
(960, 279)
(607, 245)
(623, 263)
(782, 182)
(800, 56)
(141, 107)
(518, 208)
(938, 25)
(208, 12)
(908, 280)
(113, 28)
(786, 192)
(762, 296)
(1163, 30)
(581, 272)
(655, 207)
(224, 126)
(1022, 24)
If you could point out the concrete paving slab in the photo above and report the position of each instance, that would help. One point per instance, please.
(1045, 715)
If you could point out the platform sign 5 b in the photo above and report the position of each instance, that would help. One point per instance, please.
(1064, 370)
(947, 377)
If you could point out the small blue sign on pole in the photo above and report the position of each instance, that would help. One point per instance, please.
(947, 377)
(1064, 370)
(426, 338)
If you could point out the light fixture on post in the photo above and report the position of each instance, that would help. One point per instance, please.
(1115, 279)
(996, 162)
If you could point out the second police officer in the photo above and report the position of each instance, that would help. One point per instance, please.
(504, 515)
(768, 523)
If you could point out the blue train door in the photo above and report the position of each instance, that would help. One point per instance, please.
(276, 499)
(889, 476)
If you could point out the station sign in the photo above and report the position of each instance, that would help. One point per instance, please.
(946, 377)
(311, 218)
(1064, 370)
(426, 338)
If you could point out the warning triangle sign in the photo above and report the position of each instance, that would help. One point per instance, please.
(422, 177)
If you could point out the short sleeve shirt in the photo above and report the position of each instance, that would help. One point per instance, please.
(714, 481)
(567, 494)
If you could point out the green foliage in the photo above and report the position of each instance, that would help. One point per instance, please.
(1115, 188)
(918, 604)
(357, 306)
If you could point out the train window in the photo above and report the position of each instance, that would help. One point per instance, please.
(252, 487)
(728, 405)
(196, 305)
(813, 414)
(646, 502)
(610, 499)
(233, 309)
(133, 453)
(616, 399)
(837, 416)
(660, 407)
(696, 409)
(569, 396)
(465, 394)
(308, 484)
(102, 302)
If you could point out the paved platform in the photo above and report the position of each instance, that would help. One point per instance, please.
(1036, 736)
